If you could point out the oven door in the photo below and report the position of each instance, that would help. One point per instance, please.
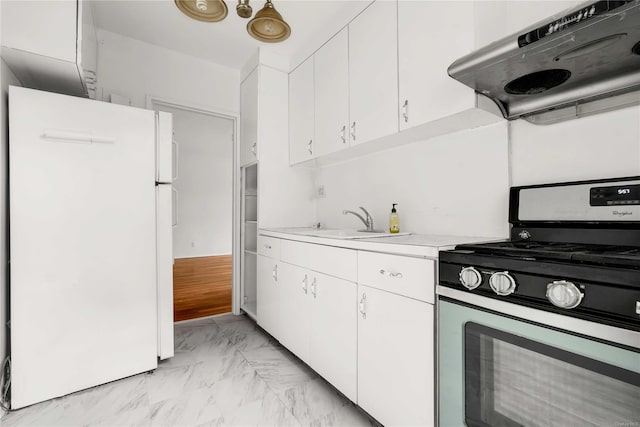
(497, 370)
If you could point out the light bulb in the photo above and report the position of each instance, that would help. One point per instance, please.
(268, 26)
(201, 4)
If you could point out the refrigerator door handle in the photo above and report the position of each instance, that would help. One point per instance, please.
(174, 207)
(176, 151)
(77, 138)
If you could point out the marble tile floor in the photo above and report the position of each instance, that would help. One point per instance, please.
(226, 372)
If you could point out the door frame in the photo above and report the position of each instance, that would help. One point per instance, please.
(234, 116)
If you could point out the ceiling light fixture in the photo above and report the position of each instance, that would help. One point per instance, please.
(243, 9)
(203, 10)
(268, 25)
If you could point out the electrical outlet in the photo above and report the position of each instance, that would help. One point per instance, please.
(321, 192)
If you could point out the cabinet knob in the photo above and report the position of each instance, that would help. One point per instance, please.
(362, 310)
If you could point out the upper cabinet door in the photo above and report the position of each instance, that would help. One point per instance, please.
(301, 113)
(431, 35)
(373, 72)
(249, 118)
(332, 94)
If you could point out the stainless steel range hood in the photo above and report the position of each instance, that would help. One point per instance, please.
(584, 61)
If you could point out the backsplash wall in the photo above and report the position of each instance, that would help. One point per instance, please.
(601, 146)
(455, 184)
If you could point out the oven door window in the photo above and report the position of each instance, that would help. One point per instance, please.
(514, 381)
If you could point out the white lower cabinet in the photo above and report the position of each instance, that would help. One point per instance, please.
(269, 296)
(334, 332)
(395, 358)
(320, 325)
(375, 346)
(295, 298)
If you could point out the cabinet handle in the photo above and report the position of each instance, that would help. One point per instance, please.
(310, 146)
(313, 287)
(267, 246)
(176, 160)
(274, 273)
(405, 110)
(304, 283)
(391, 274)
(342, 134)
(362, 311)
(253, 149)
(353, 131)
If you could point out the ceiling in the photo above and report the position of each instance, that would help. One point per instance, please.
(161, 23)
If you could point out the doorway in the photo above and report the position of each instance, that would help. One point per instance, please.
(203, 143)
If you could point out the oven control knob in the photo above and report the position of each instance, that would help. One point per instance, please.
(470, 278)
(564, 294)
(502, 283)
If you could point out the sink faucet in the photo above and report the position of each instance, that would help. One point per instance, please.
(368, 221)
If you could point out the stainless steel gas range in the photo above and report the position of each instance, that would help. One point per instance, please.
(544, 329)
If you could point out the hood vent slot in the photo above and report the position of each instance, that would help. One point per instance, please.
(538, 82)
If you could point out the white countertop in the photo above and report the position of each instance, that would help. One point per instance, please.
(423, 245)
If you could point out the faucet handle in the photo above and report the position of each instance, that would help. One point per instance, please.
(369, 219)
(365, 212)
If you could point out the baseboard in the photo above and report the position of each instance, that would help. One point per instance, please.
(198, 319)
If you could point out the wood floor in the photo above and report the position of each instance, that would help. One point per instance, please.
(201, 287)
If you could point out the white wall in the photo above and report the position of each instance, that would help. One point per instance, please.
(456, 184)
(136, 69)
(204, 184)
(6, 78)
(600, 146)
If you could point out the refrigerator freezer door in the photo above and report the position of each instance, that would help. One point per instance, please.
(164, 235)
(83, 245)
(164, 148)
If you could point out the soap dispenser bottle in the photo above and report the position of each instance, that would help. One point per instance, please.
(394, 220)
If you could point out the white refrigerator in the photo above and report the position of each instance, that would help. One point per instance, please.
(90, 211)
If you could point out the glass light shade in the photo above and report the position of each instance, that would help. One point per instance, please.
(203, 10)
(268, 25)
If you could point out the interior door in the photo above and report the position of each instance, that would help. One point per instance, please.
(83, 244)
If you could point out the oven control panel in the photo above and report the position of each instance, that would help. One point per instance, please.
(615, 195)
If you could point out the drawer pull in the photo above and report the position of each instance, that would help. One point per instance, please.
(313, 287)
(304, 283)
(391, 274)
(267, 246)
(362, 311)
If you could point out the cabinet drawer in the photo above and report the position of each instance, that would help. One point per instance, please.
(411, 277)
(269, 246)
(337, 262)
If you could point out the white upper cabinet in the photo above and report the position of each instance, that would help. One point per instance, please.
(373, 72)
(51, 45)
(431, 35)
(301, 113)
(249, 118)
(332, 94)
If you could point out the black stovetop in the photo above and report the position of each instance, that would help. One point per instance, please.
(624, 256)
